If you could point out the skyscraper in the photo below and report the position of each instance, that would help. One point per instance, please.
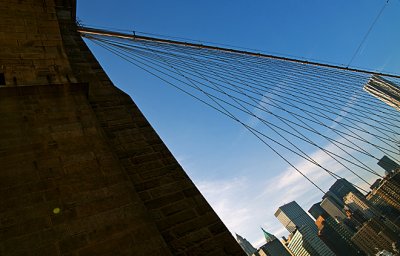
(342, 187)
(292, 217)
(304, 242)
(336, 236)
(373, 236)
(388, 190)
(295, 244)
(316, 210)
(384, 90)
(303, 239)
(333, 208)
(383, 198)
(388, 164)
(246, 245)
(355, 202)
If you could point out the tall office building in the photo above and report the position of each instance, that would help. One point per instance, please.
(333, 202)
(246, 245)
(316, 210)
(336, 235)
(383, 201)
(333, 208)
(292, 217)
(304, 242)
(342, 187)
(384, 90)
(388, 164)
(385, 197)
(355, 202)
(373, 236)
(385, 208)
(387, 190)
(361, 204)
(295, 244)
(304, 239)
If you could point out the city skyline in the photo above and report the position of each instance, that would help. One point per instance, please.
(364, 227)
(226, 183)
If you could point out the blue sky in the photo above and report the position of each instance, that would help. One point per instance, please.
(240, 177)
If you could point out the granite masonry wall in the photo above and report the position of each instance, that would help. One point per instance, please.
(82, 172)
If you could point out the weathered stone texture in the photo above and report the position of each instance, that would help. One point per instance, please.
(71, 140)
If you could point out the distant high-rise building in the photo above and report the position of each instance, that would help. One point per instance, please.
(386, 209)
(355, 218)
(272, 247)
(304, 242)
(333, 208)
(361, 204)
(388, 191)
(355, 202)
(292, 216)
(388, 164)
(316, 210)
(336, 236)
(295, 244)
(333, 203)
(342, 187)
(385, 197)
(333, 197)
(304, 239)
(384, 90)
(381, 203)
(246, 245)
(373, 236)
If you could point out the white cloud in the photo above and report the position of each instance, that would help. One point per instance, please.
(226, 199)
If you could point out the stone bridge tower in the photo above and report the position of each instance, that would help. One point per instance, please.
(81, 170)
